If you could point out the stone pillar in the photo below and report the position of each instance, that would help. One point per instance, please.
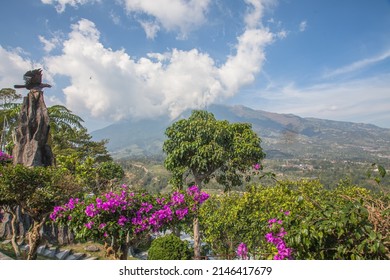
(31, 147)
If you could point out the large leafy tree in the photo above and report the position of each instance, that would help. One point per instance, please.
(36, 191)
(202, 147)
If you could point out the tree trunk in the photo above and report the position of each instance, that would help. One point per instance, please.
(196, 238)
(34, 237)
(123, 251)
(14, 241)
(198, 182)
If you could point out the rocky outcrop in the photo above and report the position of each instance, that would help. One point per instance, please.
(31, 147)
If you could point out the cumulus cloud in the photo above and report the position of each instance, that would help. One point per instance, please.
(255, 12)
(50, 44)
(112, 84)
(172, 15)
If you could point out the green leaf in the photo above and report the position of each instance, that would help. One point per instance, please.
(382, 171)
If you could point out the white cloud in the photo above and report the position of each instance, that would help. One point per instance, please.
(50, 44)
(303, 26)
(241, 68)
(358, 65)
(111, 84)
(255, 12)
(60, 5)
(151, 28)
(115, 18)
(282, 34)
(12, 67)
(172, 15)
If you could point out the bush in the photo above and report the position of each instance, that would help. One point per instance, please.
(169, 247)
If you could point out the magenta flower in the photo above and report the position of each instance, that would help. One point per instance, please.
(277, 240)
(89, 225)
(177, 198)
(242, 251)
(256, 166)
(122, 220)
(181, 213)
(90, 210)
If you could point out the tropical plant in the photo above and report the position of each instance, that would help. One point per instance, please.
(348, 222)
(203, 147)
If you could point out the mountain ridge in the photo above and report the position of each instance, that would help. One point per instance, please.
(283, 135)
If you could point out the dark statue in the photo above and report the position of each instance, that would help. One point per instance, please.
(33, 80)
(31, 134)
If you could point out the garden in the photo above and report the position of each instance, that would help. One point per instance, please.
(82, 197)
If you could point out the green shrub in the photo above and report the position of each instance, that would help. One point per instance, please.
(169, 247)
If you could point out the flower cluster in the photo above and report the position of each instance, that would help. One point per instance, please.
(257, 166)
(198, 196)
(59, 210)
(4, 157)
(277, 239)
(128, 211)
(168, 210)
(242, 251)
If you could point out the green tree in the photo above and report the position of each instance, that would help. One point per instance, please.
(36, 190)
(203, 147)
(8, 115)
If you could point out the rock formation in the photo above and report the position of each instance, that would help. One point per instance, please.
(31, 147)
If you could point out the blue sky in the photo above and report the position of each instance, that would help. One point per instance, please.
(131, 59)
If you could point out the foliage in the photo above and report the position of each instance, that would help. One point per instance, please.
(9, 94)
(169, 247)
(36, 189)
(204, 147)
(109, 171)
(381, 173)
(124, 217)
(79, 142)
(93, 176)
(322, 224)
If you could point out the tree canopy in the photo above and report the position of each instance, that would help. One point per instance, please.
(203, 147)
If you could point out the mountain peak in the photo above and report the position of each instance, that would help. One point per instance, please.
(285, 134)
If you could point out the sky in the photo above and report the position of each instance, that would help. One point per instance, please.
(109, 61)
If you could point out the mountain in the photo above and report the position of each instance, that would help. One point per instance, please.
(284, 136)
